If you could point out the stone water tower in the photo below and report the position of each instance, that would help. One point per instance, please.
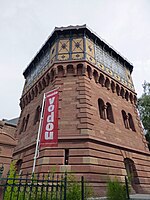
(99, 132)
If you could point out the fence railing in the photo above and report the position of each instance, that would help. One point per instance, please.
(45, 187)
(41, 187)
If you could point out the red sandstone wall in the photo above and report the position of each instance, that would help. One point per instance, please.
(97, 148)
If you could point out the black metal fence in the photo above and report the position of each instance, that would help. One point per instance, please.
(41, 187)
(45, 187)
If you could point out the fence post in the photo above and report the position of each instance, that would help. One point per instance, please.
(127, 188)
(65, 186)
(82, 187)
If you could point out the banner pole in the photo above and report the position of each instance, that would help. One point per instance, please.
(38, 136)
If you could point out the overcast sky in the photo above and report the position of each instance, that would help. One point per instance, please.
(26, 24)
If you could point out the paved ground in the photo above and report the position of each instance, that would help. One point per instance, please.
(132, 197)
(140, 196)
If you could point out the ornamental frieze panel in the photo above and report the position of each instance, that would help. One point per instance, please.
(77, 45)
(64, 46)
(79, 48)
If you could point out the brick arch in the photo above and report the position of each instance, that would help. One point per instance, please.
(107, 83)
(47, 79)
(118, 89)
(125, 119)
(109, 112)
(32, 94)
(26, 99)
(131, 97)
(131, 172)
(18, 166)
(52, 75)
(39, 87)
(60, 70)
(101, 79)
(35, 90)
(135, 99)
(122, 92)
(89, 72)
(113, 86)
(84, 69)
(101, 107)
(29, 97)
(127, 95)
(43, 83)
(80, 69)
(131, 123)
(70, 69)
(95, 75)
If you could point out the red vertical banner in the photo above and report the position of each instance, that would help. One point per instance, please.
(49, 129)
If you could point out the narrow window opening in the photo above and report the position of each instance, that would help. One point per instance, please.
(18, 166)
(131, 172)
(101, 80)
(37, 115)
(109, 112)
(26, 122)
(66, 159)
(79, 69)
(101, 108)
(131, 123)
(70, 69)
(125, 119)
(22, 125)
(118, 90)
(89, 72)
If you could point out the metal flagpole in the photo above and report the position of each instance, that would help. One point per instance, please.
(38, 136)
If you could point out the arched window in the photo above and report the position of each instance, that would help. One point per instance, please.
(26, 122)
(89, 71)
(109, 112)
(18, 166)
(47, 79)
(36, 90)
(22, 125)
(40, 87)
(60, 71)
(127, 95)
(26, 100)
(107, 83)
(118, 90)
(131, 97)
(29, 97)
(135, 100)
(113, 86)
(79, 69)
(101, 79)
(125, 119)
(101, 106)
(70, 69)
(122, 92)
(131, 171)
(131, 123)
(43, 84)
(95, 75)
(32, 94)
(37, 114)
(52, 75)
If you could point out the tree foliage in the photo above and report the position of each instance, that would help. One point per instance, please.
(144, 109)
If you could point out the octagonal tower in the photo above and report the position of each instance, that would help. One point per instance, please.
(99, 132)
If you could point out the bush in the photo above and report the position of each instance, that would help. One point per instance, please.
(116, 190)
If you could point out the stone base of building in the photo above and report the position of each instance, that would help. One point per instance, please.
(98, 161)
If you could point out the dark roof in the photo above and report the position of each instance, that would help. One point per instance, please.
(76, 29)
(13, 121)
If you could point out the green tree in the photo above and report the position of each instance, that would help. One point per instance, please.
(144, 109)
